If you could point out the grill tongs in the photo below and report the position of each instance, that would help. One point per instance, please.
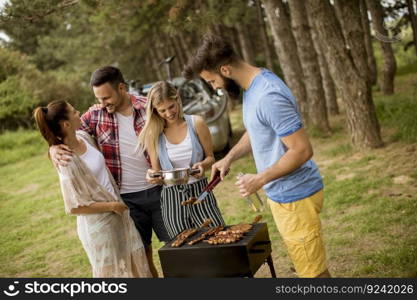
(210, 186)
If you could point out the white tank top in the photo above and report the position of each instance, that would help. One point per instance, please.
(134, 164)
(95, 162)
(180, 154)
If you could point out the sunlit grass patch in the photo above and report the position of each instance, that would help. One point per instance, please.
(402, 258)
(18, 145)
(340, 149)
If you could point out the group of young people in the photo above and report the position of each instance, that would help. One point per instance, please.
(105, 160)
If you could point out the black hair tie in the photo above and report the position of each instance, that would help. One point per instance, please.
(45, 110)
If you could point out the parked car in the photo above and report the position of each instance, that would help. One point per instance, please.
(198, 98)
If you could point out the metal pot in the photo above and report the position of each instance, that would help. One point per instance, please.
(175, 176)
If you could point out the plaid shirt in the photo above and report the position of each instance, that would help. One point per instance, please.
(103, 127)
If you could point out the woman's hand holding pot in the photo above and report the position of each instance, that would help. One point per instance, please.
(199, 166)
(153, 179)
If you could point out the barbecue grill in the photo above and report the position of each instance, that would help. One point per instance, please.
(239, 259)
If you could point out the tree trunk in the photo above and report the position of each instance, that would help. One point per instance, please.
(219, 29)
(317, 112)
(185, 47)
(194, 40)
(285, 45)
(166, 52)
(264, 36)
(361, 118)
(351, 24)
(176, 65)
(156, 60)
(152, 71)
(389, 66)
(368, 43)
(328, 83)
(235, 40)
(179, 51)
(244, 43)
(160, 55)
(413, 20)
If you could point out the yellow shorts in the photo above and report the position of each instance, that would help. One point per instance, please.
(299, 225)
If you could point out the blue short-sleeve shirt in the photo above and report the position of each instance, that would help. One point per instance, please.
(270, 113)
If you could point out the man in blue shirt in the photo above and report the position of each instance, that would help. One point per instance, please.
(280, 146)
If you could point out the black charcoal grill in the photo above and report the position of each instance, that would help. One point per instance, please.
(240, 259)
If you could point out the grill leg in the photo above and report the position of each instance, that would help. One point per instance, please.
(271, 266)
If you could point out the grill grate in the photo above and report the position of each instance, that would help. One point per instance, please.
(239, 259)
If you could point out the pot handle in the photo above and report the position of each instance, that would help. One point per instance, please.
(194, 171)
(156, 175)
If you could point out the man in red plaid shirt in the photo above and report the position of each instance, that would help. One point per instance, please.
(115, 125)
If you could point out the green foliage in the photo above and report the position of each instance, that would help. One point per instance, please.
(86, 34)
(15, 102)
(12, 63)
(400, 114)
(406, 59)
(26, 21)
(23, 87)
(399, 111)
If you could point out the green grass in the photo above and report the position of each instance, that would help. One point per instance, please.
(340, 149)
(399, 112)
(37, 238)
(402, 256)
(17, 146)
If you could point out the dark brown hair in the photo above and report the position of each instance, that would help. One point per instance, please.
(213, 52)
(48, 120)
(106, 74)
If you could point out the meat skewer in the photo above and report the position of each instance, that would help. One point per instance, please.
(210, 186)
(190, 200)
(232, 234)
(244, 227)
(206, 234)
(224, 237)
(180, 239)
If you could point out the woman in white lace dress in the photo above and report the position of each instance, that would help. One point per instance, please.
(107, 233)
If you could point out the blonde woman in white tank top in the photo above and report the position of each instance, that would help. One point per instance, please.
(175, 140)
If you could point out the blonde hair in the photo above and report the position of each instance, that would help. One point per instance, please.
(154, 125)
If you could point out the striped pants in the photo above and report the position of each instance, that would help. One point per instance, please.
(177, 218)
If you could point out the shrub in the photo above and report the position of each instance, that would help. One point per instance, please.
(23, 87)
(401, 115)
(16, 103)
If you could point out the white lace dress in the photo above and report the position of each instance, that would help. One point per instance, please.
(113, 245)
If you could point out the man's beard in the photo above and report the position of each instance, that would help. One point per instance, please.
(118, 103)
(232, 88)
